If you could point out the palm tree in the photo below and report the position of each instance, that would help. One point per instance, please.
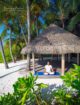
(29, 36)
(3, 55)
(23, 34)
(10, 46)
(28, 23)
(10, 42)
(36, 11)
(73, 21)
(62, 11)
(14, 3)
(75, 14)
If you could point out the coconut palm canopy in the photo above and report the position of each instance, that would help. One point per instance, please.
(54, 40)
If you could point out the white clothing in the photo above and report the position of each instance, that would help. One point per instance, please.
(48, 68)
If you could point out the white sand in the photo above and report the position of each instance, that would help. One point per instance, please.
(7, 81)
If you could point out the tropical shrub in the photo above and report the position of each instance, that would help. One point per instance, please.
(8, 99)
(26, 91)
(7, 55)
(16, 50)
(72, 78)
(29, 91)
(1, 59)
(69, 92)
(63, 96)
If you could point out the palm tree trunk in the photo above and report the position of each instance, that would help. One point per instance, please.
(10, 46)
(29, 37)
(23, 35)
(62, 23)
(36, 27)
(28, 21)
(3, 55)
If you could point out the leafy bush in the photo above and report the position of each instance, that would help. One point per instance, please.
(7, 55)
(26, 91)
(72, 78)
(8, 99)
(63, 96)
(16, 50)
(29, 91)
(69, 93)
(1, 59)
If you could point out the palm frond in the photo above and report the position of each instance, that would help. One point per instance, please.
(74, 21)
(74, 5)
(4, 33)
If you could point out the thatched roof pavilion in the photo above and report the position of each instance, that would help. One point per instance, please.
(54, 40)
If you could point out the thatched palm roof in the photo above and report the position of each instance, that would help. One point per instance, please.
(54, 40)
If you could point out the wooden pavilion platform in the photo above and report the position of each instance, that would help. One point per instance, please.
(53, 41)
(40, 64)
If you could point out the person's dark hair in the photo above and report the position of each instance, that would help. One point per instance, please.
(48, 62)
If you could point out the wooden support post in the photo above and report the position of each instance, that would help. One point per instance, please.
(63, 64)
(78, 58)
(28, 61)
(33, 61)
(23, 57)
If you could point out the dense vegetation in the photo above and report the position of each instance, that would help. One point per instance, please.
(65, 13)
(13, 14)
(28, 92)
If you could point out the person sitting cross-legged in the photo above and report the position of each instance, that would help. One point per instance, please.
(48, 69)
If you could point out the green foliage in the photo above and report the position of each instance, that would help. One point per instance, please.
(50, 18)
(1, 59)
(62, 9)
(8, 99)
(74, 5)
(63, 96)
(69, 93)
(16, 50)
(26, 91)
(73, 22)
(7, 55)
(72, 79)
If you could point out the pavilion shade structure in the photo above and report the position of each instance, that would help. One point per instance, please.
(54, 40)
